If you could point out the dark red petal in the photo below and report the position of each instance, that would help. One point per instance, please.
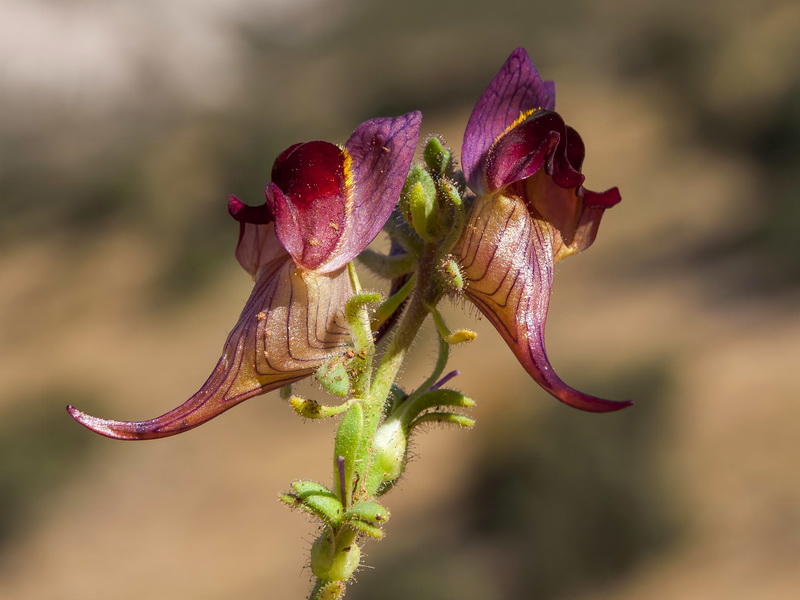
(516, 88)
(259, 215)
(292, 322)
(543, 139)
(309, 198)
(507, 257)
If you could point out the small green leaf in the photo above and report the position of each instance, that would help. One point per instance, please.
(316, 499)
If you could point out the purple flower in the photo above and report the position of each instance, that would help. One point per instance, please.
(324, 206)
(523, 163)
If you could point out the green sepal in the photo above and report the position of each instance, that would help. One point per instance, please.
(446, 418)
(388, 266)
(333, 376)
(370, 530)
(316, 499)
(369, 512)
(392, 304)
(348, 446)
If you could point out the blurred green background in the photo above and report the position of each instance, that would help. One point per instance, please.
(124, 126)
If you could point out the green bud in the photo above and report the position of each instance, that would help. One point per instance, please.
(335, 557)
(438, 157)
(331, 590)
(389, 453)
(418, 201)
(451, 276)
(453, 206)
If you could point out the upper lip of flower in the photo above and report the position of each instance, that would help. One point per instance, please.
(523, 162)
(324, 206)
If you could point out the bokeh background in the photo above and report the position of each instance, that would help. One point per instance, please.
(124, 125)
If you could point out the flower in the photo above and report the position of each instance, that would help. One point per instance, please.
(531, 210)
(325, 204)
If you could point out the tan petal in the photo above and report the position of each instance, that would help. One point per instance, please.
(507, 256)
(291, 323)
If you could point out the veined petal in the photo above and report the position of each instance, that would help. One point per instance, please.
(516, 89)
(507, 258)
(380, 152)
(539, 160)
(330, 202)
(292, 322)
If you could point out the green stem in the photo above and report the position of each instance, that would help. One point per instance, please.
(403, 338)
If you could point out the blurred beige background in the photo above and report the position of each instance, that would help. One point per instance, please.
(125, 125)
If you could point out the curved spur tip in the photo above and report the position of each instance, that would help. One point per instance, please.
(118, 430)
(594, 404)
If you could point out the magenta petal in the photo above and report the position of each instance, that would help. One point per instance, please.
(507, 257)
(516, 88)
(291, 323)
